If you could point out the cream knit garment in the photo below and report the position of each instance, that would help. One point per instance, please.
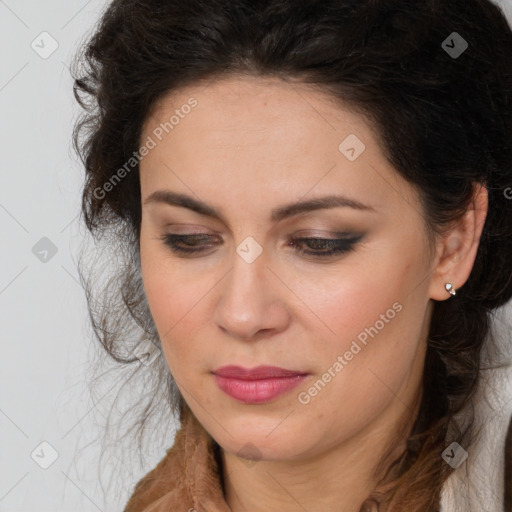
(478, 484)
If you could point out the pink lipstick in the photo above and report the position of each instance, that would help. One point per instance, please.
(256, 385)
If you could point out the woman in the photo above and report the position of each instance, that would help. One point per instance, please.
(314, 198)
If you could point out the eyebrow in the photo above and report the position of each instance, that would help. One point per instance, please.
(277, 215)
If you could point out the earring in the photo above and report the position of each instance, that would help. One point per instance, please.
(450, 289)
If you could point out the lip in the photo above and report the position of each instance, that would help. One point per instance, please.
(256, 373)
(256, 385)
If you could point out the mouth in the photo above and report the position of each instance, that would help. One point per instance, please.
(256, 385)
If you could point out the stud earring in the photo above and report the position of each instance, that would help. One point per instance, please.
(449, 289)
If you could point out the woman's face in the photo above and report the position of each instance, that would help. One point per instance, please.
(350, 326)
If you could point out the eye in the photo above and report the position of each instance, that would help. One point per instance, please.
(186, 244)
(325, 247)
(315, 247)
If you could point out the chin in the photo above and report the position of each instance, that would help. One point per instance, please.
(255, 450)
(261, 443)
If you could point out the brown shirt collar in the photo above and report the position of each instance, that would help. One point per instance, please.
(187, 478)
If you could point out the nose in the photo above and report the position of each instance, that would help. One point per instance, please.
(252, 301)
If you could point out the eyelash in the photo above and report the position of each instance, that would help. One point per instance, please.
(337, 245)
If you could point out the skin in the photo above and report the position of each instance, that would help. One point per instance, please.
(249, 146)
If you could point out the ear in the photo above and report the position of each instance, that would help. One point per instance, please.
(456, 251)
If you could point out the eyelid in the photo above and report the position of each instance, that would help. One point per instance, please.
(306, 233)
(189, 229)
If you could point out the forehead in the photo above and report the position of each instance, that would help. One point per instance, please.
(254, 136)
(254, 108)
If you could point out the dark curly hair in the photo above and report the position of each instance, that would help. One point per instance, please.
(444, 122)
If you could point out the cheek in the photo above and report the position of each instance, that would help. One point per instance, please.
(176, 300)
(357, 298)
(375, 321)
